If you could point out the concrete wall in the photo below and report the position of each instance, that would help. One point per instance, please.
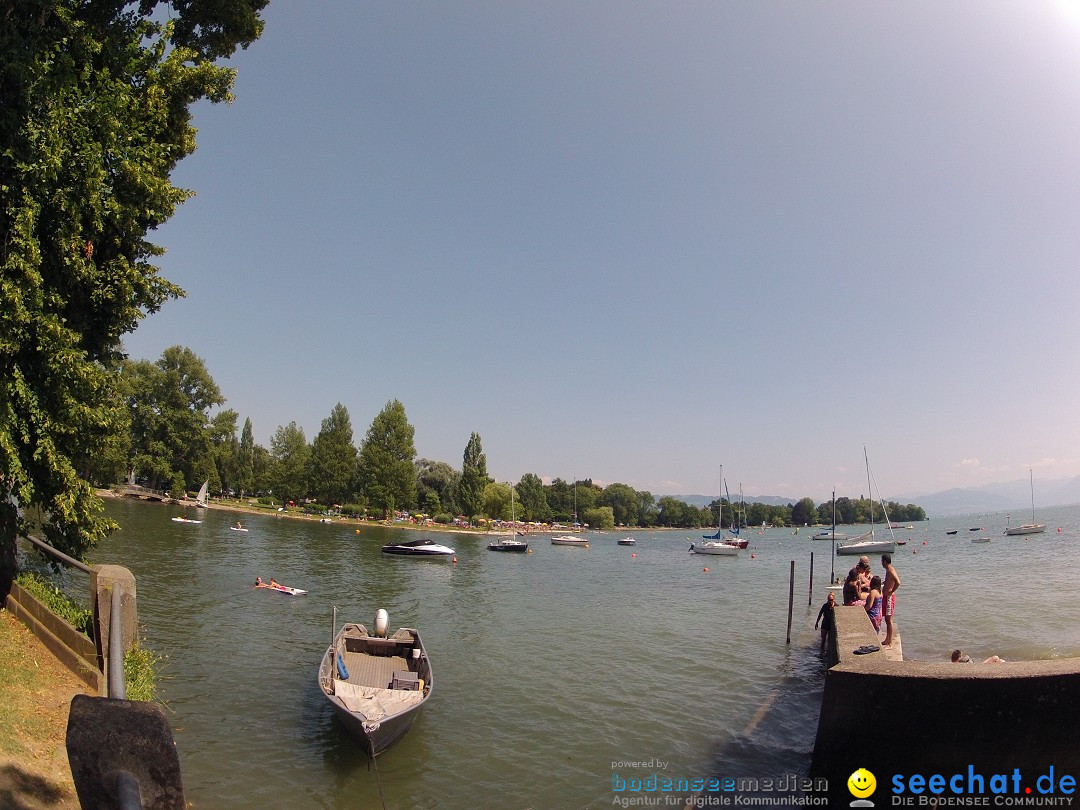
(73, 649)
(905, 717)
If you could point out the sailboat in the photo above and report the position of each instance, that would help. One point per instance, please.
(569, 539)
(1033, 527)
(200, 499)
(511, 544)
(715, 544)
(830, 534)
(865, 543)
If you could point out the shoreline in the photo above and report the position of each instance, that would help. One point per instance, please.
(298, 514)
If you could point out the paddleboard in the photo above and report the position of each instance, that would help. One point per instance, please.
(185, 520)
(283, 589)
(236, 529)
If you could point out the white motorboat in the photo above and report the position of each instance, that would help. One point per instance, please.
(829, 534)
(418, 548)
(570, 540)
(627, 541)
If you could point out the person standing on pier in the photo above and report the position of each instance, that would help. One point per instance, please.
(888, 593)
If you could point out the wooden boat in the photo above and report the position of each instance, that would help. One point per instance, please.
(418, 548)
(376, 685)
(570, 540)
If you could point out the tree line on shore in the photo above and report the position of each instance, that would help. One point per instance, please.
(173, 443)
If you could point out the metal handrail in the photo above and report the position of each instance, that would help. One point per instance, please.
(41, 544)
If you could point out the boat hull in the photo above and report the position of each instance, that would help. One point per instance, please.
(375, 733)
(418, 548)
(580, 542)
(715, 549)
(870, 547)
(1031, 528)
(509, 546)
(827, 535)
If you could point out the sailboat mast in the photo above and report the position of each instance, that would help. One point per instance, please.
(1031, 483)
(832, 573)
(869, 489)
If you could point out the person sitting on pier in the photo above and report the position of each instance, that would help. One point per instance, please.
(863, 567)
(851, 588)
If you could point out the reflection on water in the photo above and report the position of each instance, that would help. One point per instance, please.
(550, 666)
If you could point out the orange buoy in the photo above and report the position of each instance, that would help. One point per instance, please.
(752, 556)
(706, 570)
(634, 554)
(455, 560)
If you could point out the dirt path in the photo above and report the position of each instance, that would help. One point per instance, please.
(35, 692)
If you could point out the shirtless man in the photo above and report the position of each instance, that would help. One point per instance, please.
(888, 596)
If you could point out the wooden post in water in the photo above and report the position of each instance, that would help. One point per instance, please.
(810, 599)
(790, 599)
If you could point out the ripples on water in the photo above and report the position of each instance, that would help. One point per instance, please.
(549, 667)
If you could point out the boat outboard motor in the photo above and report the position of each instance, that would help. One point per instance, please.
(382, 621)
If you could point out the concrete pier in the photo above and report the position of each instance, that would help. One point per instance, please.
(901, 718)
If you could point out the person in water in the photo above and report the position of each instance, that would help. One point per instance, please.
(259, 583)
(826, 617)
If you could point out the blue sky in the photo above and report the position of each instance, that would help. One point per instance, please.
(636, 241)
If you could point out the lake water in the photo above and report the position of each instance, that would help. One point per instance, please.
(554, 671)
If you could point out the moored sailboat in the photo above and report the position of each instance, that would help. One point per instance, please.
(1033, 527)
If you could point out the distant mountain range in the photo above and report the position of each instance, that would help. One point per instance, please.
(990, 498)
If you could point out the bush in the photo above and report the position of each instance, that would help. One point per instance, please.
(140, 673)
(444, 519)
(58, 602)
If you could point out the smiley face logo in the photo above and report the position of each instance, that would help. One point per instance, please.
(861, 783)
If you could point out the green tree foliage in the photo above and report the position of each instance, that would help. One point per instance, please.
(290, 453)
(495, 502)
(332, 471)
(560, 498)
(94, 116)
(387, 474)
(803, 513)
(532, 499)
(245, 461)
(474, 477)
(599, 517)
(170, 403)
(437, 487)
(623, 500)
(225, 451)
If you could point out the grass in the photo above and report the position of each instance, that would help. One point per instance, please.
(35, 692)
